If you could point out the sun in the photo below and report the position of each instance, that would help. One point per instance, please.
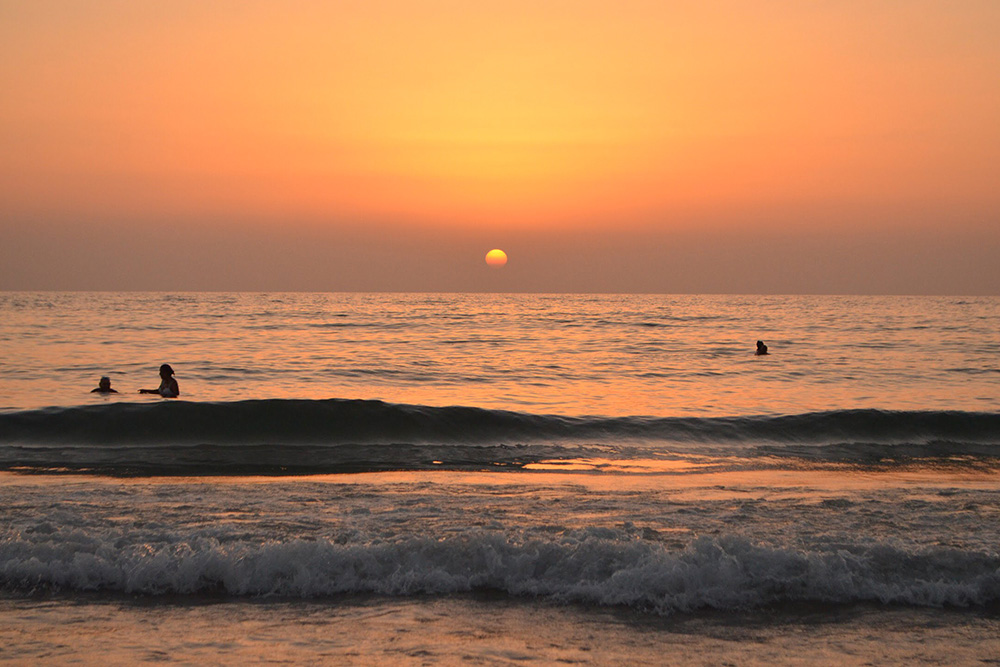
(496, 258)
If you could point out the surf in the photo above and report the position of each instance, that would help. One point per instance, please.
(589, 566)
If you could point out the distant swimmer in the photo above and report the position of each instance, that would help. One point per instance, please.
(761, 348)
(168, 385)
(104, 387)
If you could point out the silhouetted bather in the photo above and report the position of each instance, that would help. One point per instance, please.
(761, 348)
(104, 387)
(168, 385)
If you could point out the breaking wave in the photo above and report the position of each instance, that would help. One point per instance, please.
(594, 566)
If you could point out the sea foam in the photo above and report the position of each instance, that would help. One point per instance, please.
(603, 567)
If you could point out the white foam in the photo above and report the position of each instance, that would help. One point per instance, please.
(725, 573)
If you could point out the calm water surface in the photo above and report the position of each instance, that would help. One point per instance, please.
(564, 354)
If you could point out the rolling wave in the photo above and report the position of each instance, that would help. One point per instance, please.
(337, 435)
(333, 421)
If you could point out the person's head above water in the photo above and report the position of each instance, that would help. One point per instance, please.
(104, 386)
(166, 371)
(761, 348)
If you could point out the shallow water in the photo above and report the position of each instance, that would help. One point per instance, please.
(482, 630)
(708, 568)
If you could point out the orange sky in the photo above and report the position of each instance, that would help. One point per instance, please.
(461, 126)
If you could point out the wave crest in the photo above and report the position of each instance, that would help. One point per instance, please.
(585, 567)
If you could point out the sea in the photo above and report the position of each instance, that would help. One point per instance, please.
(361, 478)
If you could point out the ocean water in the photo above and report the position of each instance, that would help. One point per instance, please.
(436, 478)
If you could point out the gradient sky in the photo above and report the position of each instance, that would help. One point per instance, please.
(635, 146)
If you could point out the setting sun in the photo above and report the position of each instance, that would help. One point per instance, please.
(496, 258)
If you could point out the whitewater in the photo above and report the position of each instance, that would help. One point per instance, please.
(500, 478)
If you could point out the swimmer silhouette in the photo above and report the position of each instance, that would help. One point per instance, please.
(104, 387)
(168, 385)
(761, 348)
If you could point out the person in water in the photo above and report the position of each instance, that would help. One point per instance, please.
(104, 387)
(168, 385)
(761, 348)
